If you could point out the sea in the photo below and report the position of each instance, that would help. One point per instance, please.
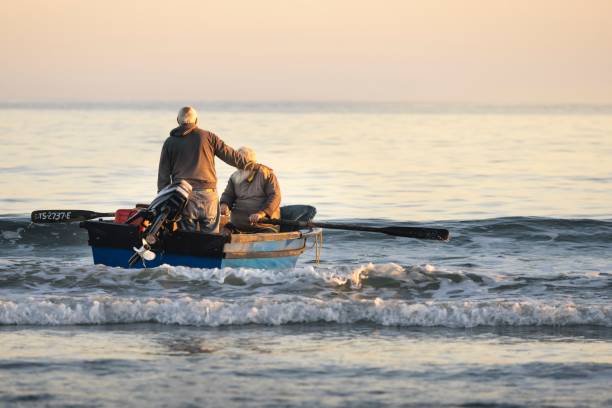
(514, 311)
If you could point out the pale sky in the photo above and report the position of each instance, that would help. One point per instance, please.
(533, 51)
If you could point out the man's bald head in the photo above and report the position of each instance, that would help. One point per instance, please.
(187, 116)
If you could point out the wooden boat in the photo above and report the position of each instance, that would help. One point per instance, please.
(147, 236)
(113, 244)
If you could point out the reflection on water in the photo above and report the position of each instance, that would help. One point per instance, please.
(363, 164)
(323, 365)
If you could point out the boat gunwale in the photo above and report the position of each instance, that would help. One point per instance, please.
(230, 253)
(265, 254)
(271, 236)
(311, 233)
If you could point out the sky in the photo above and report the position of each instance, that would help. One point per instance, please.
(491, 51)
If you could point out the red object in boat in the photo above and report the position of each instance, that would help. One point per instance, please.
(122, 215)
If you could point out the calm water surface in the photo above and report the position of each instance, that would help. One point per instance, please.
(516, 310)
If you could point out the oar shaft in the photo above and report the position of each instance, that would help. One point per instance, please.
(349, 227)
(411, 232)
(310, 224)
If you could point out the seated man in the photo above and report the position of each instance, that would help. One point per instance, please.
(251, 195)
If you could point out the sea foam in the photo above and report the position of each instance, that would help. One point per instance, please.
(279, 310)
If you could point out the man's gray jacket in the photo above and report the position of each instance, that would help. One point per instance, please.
(189, 154)
(249, 192)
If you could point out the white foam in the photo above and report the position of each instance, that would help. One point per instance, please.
(247, 275)
(355, 276)
(279, 310)
(12, 235)
(338, 276)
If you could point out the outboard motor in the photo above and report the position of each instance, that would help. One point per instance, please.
(166, 207)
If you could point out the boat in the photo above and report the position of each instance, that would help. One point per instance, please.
(146, 236)
(127, 244)
(113, 244)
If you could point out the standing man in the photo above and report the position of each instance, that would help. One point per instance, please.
(189, 154)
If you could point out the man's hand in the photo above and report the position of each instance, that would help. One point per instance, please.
(254, 218)
(224, 209)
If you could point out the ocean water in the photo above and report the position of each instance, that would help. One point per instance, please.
(515, 310)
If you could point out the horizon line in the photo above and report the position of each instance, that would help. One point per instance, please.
(302, 101)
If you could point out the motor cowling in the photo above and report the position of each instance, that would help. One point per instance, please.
(165, 208)
(172, 199)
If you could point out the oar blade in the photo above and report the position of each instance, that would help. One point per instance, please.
(437, 234)
(57, 216)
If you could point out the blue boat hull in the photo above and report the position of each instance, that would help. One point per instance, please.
(119, 258)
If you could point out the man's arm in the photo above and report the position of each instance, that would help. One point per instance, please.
(229, 195)
(165, 169)
(229, 155)
(273, 195)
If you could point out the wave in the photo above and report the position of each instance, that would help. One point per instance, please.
(42, 274)
(19, 231)
(353, 277)
(286, 309)
(423, 281)
(540, 229)
(438, 277)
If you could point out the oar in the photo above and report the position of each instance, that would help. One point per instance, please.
(411, 232)
(53, 216)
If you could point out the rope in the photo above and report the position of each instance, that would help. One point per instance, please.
(318, 244)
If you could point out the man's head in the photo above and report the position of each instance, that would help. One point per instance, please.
(187, 116)
(248, 153)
